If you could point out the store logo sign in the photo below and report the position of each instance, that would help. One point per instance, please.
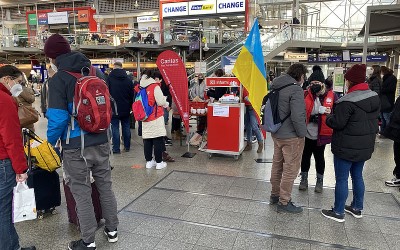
(175, 9)
(228, 6)
(203, 7)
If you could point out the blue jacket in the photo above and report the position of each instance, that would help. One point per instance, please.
(61, 93)
(121, 89)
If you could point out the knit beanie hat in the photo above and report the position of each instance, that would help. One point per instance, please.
(55, 46)
(356, 74)
(317, 76)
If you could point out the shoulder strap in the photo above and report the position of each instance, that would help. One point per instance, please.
(93, 71)
(76, 75)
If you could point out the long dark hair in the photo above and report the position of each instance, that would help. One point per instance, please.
(9, 70)
(385, 70)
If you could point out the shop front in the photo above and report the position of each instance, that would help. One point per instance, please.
(214, 21)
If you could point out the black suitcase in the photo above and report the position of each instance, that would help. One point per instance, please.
(46, 184)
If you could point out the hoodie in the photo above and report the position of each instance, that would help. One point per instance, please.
(291, 101)
(61, 93)
(121, 89)
(355, 124)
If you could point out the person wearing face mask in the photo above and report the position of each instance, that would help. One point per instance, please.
(289, 139)
(355, 124)
(198, 92)
(319, 102)
(13, 164)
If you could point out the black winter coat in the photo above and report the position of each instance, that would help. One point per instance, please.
(375, 83)
(392, 130)
(355, 124)
(121, 89)
(388, 91)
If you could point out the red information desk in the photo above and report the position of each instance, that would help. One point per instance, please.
(225, 122)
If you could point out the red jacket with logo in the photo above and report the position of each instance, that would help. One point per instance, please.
(11, 146)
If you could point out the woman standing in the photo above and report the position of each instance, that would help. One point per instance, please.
(355, 124)
(388, 91)
(319, 102)
(153, 128)
(375, 80)
(13, 165)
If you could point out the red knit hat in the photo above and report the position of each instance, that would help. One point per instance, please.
(356, 74)
(55, 46)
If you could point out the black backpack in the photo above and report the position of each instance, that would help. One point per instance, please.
(270, 119)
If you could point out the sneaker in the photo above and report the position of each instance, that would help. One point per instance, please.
(168, 143)
(80, 245)
(112, 237)
(28, 248)
(356, 213)
(127, 150)
(289, 208)
(332, 215)
(393, 182)
(161, 165)
(253, 139)
(116, 152)
(151, 164)
(273, 200)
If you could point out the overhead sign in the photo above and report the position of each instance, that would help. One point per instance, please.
(200, 67)
(42, 18)
(83, 16)
(202, 7)
(175, 9)
(147, 19)
(32, 20)
(339, 59)
(228, 6)
(227, 63)
(222, 82)
(296, 56)
(57, 17)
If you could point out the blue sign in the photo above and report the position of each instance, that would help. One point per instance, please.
(42, 21)
(194, 45)
(228, 60)
(339, 59)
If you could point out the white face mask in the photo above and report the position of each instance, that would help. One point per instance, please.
(54, 67)
(15, 90)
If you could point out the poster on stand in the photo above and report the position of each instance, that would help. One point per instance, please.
(174, 73)
(338, 79)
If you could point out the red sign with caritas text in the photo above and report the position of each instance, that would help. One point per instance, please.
(222, 82)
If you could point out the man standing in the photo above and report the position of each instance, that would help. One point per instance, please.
(121, 89)
(289, 139)
(96, 149)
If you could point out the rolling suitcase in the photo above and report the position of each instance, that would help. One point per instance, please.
(46, 184)
(71, 204)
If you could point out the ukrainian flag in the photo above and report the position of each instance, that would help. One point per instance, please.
(249, 68)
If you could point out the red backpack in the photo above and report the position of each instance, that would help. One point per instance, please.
(92, 103)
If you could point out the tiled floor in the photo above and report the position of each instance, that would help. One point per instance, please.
(222, 203)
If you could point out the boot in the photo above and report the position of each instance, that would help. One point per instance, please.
(260, 146)
(320, 183)
(304, 181)
(248, 147)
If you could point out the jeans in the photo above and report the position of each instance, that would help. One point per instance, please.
(342, 170)
(77, 169)
(385, 118)
(311, 148)
(8, 235)
(251, 124)
(126, 133)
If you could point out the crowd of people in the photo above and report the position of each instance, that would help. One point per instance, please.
(316, 117)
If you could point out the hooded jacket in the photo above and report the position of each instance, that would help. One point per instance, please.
(388, 90)
(61, 93)
(121, 89)
(291, 101)
(11, 146)
(355, 124)
(392, 130)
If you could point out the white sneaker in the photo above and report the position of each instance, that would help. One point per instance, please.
(151, 164)
(161, 165)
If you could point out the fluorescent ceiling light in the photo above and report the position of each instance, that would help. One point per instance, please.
(183, 20)
(240, 16)
(234, 25)
(223, 17)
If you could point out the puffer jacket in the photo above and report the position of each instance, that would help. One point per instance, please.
(291, 101)
(61, 90)
(392, 130)
(355, 124)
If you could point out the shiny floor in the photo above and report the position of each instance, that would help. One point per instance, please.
(222, 203)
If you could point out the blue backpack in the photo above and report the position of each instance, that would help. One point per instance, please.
(141, 108)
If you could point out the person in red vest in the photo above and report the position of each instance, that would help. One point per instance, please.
(319, 102)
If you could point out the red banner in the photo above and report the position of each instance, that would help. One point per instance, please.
(174, 73)
(222, 82)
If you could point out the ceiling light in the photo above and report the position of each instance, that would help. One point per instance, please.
(240, 16)
(136, 4)
(223, 17)
(19, 11)
(234, 25)
(54, 10)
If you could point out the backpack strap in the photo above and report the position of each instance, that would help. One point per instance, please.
(284, 86)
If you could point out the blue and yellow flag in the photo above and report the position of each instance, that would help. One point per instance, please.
(249, 68)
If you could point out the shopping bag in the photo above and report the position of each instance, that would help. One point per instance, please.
(24, 204)
(42, 153)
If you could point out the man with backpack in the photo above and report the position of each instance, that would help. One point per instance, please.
(289, 138)
(84, 150)
(121, 88)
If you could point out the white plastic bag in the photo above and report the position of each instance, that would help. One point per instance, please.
(24, 203)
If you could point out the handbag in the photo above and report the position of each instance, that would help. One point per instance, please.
(27, 115)
(24, 203)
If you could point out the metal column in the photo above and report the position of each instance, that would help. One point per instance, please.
(366, 36)
(138, 66)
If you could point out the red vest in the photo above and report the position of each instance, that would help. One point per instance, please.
(158, 111)
(328, 103)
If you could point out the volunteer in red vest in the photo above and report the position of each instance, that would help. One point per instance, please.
(153, 128)
(319, 102)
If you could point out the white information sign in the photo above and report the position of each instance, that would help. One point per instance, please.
(57, 17)
(221, 111)
(200, 67)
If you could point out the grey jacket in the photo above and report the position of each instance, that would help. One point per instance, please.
(291, 100)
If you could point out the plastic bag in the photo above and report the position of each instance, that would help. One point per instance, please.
(24, 203)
